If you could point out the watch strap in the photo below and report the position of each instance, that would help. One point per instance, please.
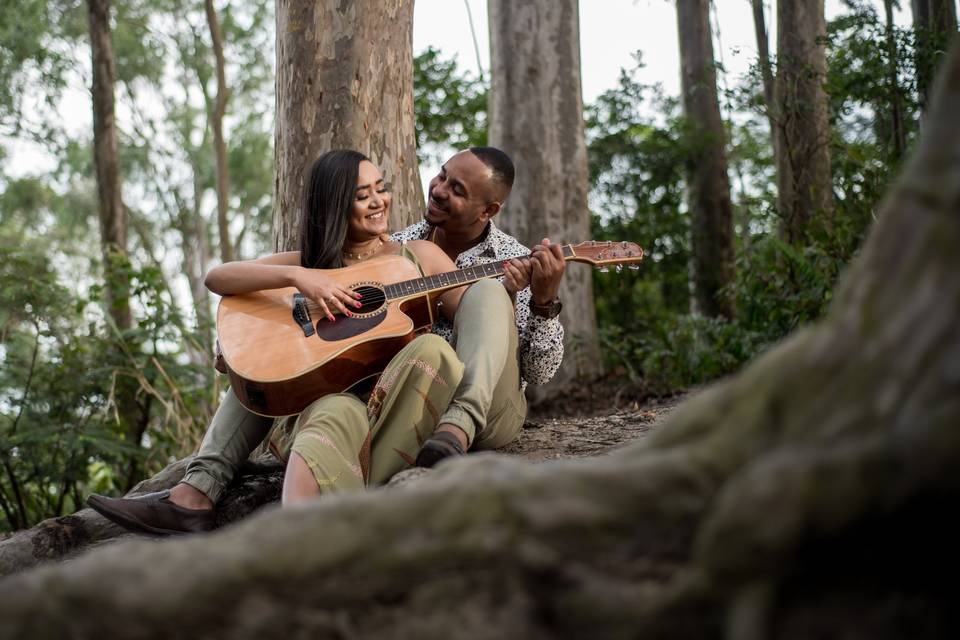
(549, 310)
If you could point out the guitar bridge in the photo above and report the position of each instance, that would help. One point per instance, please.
(301, 314)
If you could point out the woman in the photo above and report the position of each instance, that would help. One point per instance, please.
(338, 442)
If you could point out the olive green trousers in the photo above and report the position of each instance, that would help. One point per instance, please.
(348, 444)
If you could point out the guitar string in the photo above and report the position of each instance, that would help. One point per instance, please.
(380, 296)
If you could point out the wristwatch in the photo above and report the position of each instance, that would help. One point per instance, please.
(549, 310)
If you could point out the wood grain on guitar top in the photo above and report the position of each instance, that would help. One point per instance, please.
(276, 370)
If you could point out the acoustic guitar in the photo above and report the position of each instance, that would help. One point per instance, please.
(281, 352)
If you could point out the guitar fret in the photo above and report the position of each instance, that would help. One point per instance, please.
(592, 252)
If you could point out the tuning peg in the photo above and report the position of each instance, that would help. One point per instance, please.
(633, 267)
(619, 268)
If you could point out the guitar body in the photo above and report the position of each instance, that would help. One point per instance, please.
(276, 369)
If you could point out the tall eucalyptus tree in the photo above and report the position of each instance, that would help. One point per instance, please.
(536, 116)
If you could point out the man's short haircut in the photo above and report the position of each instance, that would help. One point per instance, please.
(499, 163)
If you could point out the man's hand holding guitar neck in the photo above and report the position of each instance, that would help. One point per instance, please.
(542, 272)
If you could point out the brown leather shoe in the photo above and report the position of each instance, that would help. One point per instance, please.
(153, 513)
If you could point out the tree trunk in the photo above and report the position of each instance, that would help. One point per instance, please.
(536, 116)
(196, 256)
(935, 24)
(805, 196)
(113, 216)
(898, 139)
(113, 219)
(708, 185)
(344, 80)
(766, 70)
(219, 146)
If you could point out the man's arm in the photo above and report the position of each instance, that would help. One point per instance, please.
(540, 340)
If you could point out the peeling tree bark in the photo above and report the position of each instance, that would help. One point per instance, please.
(344, 80)
(536, 116)
(809, 496)
(804, 181)
(708, 185)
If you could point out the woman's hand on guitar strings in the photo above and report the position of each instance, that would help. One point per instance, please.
(331, 296)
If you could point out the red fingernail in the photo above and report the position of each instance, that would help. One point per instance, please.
(357, 305)
(331, 318)
(349, 315)
(358, 295)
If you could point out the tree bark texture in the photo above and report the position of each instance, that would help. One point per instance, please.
(536, 116)
(809, 496)
(344, 80)
(935, 24)
(219, 145)
(113, 216)
(805, 196)
(766, 70)
(708, 185)
(57, 539)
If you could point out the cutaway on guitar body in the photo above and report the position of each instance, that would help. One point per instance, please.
(277, 366)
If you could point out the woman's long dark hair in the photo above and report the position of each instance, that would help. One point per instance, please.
(328, 196)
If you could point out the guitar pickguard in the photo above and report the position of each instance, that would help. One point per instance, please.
(343, 327)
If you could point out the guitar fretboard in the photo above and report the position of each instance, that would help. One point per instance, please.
(452, 278)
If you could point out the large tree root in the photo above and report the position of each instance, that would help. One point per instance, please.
(59, 538)
(810, 496)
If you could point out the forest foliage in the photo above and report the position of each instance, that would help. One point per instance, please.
(62, 359)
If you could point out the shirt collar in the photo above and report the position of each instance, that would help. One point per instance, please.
(494, 245)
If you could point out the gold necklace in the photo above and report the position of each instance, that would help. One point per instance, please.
(363, 256)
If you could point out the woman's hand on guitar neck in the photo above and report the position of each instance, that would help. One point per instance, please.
(330, 296)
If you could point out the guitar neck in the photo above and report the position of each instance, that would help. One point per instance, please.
(452, 279)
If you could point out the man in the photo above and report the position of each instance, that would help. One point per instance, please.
(463, 198)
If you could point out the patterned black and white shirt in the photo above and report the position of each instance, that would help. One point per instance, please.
(541, 340)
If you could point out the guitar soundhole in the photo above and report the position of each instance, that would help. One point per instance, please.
(365, 317)
(373, 299)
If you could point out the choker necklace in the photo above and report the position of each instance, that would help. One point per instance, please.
(363, 256)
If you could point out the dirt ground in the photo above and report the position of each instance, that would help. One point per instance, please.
(592, 428)
(583, 422)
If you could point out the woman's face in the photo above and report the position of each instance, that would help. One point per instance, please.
(371, 205)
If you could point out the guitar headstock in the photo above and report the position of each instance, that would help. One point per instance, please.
(605, 254)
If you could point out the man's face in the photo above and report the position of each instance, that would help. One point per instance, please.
(459, 197)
